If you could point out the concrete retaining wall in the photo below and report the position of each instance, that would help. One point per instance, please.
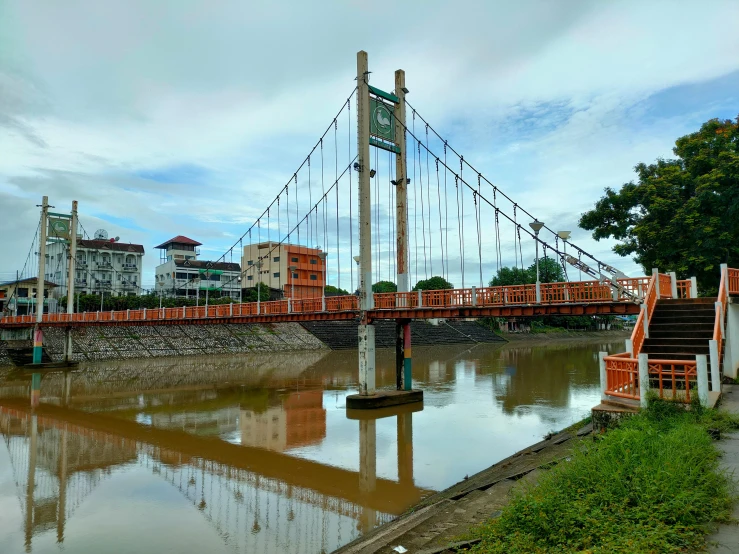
(110, 342)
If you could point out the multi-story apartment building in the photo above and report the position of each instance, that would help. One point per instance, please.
(103, 266)
(181, 275)
(298, 271)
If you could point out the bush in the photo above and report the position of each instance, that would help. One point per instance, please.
(650, 485)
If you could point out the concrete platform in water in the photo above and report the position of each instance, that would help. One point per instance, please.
(383, 399)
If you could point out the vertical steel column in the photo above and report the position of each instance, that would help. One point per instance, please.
(71, 267)
(38, 335)
(403, 345)
(366, 339)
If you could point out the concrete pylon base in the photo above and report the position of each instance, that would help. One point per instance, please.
(383, 399)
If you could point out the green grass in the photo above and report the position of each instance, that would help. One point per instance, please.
(651, 485)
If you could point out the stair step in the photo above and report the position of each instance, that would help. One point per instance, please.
(672, 341)
(669, 350)
(670, 334)
(685, 301)
(670, 355)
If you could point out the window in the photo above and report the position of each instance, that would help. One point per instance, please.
(293, 260)
(276, 274)
(119, 276)
(295, 275)
(313, 277)
(313, 261)
(22, 292)
(250, 262)
(250, 277)
(276, 259)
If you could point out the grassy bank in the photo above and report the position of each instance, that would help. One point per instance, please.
(650, 485)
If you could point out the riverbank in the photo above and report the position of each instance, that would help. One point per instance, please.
(565, 336)
(565, 494)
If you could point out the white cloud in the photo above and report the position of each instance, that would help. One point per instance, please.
(541, 97)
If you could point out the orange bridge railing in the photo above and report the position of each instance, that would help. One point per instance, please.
(516, 295)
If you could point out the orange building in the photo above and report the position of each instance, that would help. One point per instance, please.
(298, 271)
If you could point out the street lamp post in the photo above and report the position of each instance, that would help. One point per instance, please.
(323, 255)
(536, 225)
(292, 270)
(564, 235)
(259, 286)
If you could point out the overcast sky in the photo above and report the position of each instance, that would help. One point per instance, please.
(166, 118)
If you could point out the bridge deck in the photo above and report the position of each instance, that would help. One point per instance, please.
(570, 298)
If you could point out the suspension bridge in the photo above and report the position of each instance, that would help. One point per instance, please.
(385, 196)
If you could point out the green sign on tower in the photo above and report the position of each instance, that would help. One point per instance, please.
(382, 120)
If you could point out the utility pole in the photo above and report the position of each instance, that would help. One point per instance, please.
(71, 267)
(366, 300)
(38, 335)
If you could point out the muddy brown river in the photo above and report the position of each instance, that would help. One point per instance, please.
(257, 453)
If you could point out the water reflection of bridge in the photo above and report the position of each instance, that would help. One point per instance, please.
(257, 500)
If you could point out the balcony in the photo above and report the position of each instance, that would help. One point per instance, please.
(80, 282)
(105, 265)
(82, 263)
(129, 267)
(128, 286)
(102, 284)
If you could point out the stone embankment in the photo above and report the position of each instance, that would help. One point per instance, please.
(110, 342)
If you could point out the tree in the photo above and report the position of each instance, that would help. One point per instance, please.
(550, 271)
(384, 286)
(434, 283)
(332, 290)
(251, 293)
(682, 214)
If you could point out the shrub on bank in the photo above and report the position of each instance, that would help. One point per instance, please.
(650, 485)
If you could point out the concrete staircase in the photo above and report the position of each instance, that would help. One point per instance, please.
(340, 335)
(680, 329)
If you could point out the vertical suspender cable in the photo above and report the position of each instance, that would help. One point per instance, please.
(336, 185)
(438, 203)
(428, 197)
(351, 223)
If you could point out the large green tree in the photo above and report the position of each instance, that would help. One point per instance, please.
(681, 214)
(384, 286)
(434, 283)
(549, 272)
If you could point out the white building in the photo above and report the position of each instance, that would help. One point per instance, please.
(103, 266)
(181, 275)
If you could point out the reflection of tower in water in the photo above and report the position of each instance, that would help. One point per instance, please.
(55, 468)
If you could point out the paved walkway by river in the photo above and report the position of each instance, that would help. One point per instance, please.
(726, 538)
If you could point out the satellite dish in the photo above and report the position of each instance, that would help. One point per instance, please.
(101, 234)
(117, 239)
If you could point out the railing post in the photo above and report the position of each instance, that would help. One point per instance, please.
(323, 303)
(693, 287)
(701, 366)
(643, 379)
(128, 315)
(474, 296)
(655, 274)
(97, 316)
(231, 309)
(184, 312)
(673, 284)
(630, 346)
(603, 375)
(538, 292)
(640, 290)
(715, 365)
(144, 313)
(720, 309)
(645, 320)
(420, 299)
(289, 306)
